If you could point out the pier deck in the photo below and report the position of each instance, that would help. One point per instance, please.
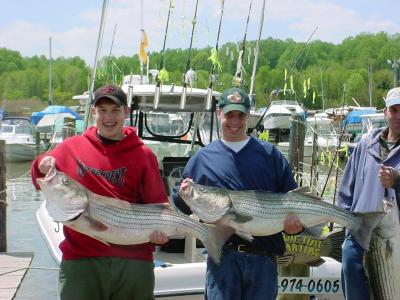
(13, 267)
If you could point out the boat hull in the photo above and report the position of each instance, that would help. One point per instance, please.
(20, 152)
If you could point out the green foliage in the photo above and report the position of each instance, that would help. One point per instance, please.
(342, 70)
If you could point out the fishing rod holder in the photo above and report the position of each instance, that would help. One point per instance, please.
(183, 97)
(157, 96)
(209, 98)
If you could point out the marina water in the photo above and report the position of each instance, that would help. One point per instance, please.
(23, 235)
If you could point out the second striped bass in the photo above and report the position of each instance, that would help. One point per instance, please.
(260, 213)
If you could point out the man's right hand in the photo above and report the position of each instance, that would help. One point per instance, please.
(46, 163)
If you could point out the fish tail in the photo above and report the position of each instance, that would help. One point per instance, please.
(332, 244)
(367, 223)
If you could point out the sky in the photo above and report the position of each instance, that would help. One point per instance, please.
(73, 25)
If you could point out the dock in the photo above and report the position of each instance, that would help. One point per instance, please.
(13, 267)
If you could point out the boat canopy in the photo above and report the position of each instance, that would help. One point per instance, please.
(54, 109)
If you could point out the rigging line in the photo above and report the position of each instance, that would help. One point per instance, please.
(165, 40)
(191, 41)
(253, 75)
(289, 72)
(238, 73)
(299, 55)
(216, 44)
(109, 54)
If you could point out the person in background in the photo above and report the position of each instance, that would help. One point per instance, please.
(248, 270)
(369, 176)
(110, 160)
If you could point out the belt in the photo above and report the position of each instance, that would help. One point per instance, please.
(247, 249)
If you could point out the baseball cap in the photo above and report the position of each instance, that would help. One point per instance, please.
(393, 97)
(234, 99)
(112, 92)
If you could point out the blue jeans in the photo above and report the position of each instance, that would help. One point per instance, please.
(242, 276)
(354, 280)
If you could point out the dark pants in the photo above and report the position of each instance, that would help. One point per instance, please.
(242, 276)
(354, 280)
(106, 278)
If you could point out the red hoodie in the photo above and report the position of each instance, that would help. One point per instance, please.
(126, 170)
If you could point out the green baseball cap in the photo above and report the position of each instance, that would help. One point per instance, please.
(234, 99)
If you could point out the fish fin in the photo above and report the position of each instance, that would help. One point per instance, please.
(216, 237)
(389, 249)
(305, 190)
(240, 218)
(301, 190)
(332, 244)
(285, 259)
(315, 263)
(96, 225)
(245, 235)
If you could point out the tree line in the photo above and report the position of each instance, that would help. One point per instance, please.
(319, 73)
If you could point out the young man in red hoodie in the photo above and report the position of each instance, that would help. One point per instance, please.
(110, 160)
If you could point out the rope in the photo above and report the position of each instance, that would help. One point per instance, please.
(30, 268)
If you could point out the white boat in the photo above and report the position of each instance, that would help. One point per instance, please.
(279, 112)
(19, 136)
(326, 137)
(182, 271)
(369, 122)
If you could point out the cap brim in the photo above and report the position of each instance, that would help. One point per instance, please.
(231, 107)
(392, 102)
(110, 97)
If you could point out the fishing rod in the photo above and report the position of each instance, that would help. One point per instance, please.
(90, 101)
(109, 54)
(253, 74)
(158, 80)
(237, 79)
(307, 43)
(184, 85)
(210, 86)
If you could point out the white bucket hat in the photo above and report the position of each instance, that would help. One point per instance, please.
(393, 97)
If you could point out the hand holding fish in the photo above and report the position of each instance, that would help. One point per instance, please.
(158, 237)
(46, 163)
(386, 176)
(292, 225)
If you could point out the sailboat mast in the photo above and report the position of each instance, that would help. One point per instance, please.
(50, 100)
(253, 74)
(96, 58)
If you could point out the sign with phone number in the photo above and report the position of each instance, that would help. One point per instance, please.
(309, 285)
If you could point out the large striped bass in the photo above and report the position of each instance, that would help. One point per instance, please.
(116, 221)
(260, 213)
(383, 258)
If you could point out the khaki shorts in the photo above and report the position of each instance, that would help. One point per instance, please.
(106, 278)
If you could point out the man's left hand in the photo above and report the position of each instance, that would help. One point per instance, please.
(292, 225)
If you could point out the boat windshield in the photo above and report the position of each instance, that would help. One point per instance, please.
(6, 129)
(23, 130)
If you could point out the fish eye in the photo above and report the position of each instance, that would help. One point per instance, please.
(66, 181)
(203, 190)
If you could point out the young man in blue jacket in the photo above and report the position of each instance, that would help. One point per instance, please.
(248, 270)
(370, 169)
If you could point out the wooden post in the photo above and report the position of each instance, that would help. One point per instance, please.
(3, 198)
(296, 157)
(37, 143)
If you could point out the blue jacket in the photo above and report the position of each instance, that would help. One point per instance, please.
(257, 166)
(360, 188)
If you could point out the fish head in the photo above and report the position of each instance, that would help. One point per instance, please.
(65, 198)
(210, 204)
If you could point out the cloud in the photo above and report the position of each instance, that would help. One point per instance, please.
(283, 19)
